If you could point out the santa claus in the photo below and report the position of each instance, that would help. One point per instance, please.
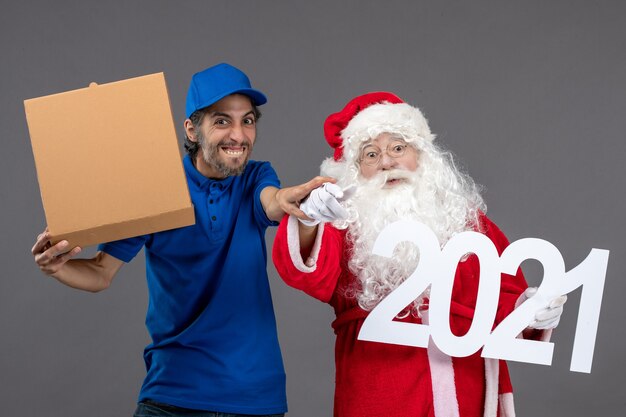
(387, 168)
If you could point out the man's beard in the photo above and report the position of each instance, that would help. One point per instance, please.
(211, 155)
(375, 205)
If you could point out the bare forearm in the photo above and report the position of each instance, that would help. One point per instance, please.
(271, 205)
(307, 235)
(56, 261)
(273, 210)
(93, 275)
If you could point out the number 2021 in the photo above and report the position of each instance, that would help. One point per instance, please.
(437, 268)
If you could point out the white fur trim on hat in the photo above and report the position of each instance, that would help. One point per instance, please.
(400, 118)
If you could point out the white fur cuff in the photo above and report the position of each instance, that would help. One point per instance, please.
(293, 242)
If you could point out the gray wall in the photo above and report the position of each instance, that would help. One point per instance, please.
(530, 96)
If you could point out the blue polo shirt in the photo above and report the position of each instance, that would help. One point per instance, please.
(210, 315)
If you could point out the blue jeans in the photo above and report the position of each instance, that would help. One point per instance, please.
(153, 409)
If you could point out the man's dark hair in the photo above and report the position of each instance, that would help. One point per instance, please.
(196, 119)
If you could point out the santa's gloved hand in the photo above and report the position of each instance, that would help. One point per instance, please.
(547, 317)
(322, 205)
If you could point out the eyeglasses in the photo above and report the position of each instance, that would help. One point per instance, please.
(370, 154)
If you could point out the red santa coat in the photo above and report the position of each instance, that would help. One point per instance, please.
(378, 379)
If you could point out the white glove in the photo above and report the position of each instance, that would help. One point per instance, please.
(547, 317)
(322, 205)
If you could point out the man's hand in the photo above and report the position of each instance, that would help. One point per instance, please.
(322, 205)
(51, 259)
(94, 274)
(289, 198)
(548, 317)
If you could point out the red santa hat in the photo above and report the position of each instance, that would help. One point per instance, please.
(367, 116)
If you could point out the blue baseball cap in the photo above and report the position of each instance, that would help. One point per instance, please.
(213, 84)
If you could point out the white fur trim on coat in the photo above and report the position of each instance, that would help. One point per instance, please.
(507, 408)
(293, 243)
(492, 376)
(445, 400)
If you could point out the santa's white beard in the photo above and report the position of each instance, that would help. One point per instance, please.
(417, 196)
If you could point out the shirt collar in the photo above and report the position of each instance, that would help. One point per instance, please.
(200, 180)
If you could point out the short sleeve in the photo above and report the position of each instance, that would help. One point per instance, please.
(265, 177)
(124, 250)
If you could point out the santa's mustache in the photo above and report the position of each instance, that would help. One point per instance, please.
(380, 179)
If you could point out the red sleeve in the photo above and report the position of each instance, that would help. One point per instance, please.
(318, 280)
